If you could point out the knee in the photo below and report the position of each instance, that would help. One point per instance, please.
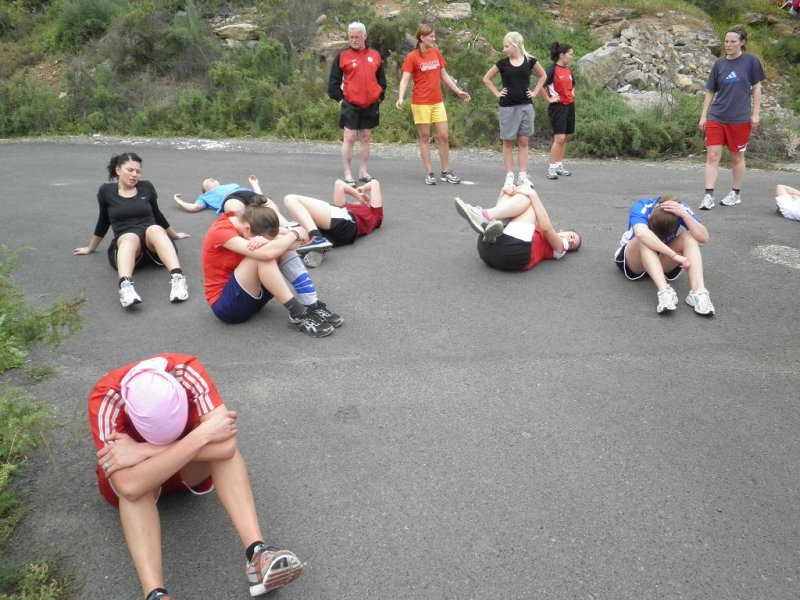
(350, 137)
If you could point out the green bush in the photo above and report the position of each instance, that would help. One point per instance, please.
(80, 21)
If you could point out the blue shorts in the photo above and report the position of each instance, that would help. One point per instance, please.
(236, 305)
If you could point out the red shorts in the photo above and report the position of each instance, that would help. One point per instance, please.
(735, 136)
(173, 485)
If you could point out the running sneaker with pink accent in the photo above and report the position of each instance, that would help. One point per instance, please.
(271, 569)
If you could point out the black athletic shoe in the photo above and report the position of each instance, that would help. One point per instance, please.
(321, 310)
(312, 324)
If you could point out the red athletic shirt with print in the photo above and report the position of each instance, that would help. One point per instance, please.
(425, 72)
(107, 408)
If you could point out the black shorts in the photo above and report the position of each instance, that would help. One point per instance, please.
(619, 260)
(146, 257)
(342, 231)
(245, 196)
(506, 254)
(355, 118)
(562, 118)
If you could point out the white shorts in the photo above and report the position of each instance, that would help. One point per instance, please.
(789, 206)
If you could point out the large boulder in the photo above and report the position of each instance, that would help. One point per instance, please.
(601, 66)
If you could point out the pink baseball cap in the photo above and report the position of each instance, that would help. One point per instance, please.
(155, 401)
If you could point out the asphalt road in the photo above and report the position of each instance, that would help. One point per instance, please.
(467, 433)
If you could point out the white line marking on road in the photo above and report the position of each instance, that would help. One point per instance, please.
(780, 255)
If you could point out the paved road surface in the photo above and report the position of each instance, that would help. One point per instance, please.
(467, 433)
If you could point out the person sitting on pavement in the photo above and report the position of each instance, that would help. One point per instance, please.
(222, 198)
(142, 234)
(516, 234)
(160, 427)
(341, 223)
(247, 260)
(653, 245)
(788, 200)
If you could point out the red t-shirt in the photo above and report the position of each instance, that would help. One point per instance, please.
(540, 249)
(367, 218)
(107, 411)
(219, 262)
(425, 72)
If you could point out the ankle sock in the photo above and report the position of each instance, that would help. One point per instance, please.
(123, 280)
(710, 192)
(314, 233)
(296, 310)
(251, 549)
(735, 191)
(177, 271)
(153, 593)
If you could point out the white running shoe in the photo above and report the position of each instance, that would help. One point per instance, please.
(551, 174)
(732, 199)
(667, 300)
(560, 170)
(523, 179)
(707, 203)
(701, 302)
(493, 230)
(472, 214)
(179, 291)
(509, 182)
(127, 295)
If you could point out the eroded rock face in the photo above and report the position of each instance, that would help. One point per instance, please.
(658, 53)
(240, 32)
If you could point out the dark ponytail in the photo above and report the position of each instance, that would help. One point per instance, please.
(557, 49)
(119, 160)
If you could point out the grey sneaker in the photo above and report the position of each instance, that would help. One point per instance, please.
(732, 199)
(314, 258)
(473, 215)
(523, 179)
(127, 295)
(312, 324)
(179, 291)
(707, 203)
(449, 177)
(701, 302)
(492, 231)
(667, 300)
(560, 170)
(430, 179)
(551, 174)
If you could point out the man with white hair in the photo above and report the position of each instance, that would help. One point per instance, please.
(160, 427)
(358, 83)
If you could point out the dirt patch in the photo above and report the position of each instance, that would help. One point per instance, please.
(48, 74)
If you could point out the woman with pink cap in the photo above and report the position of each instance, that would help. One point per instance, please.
(161, 427)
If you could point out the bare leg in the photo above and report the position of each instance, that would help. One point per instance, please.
(347, 150)
(641, 258)
(738, 167)
(443, 135)
(310, 212)
(158, 241)
(252, 274)
(558, 148)
(508, 155)
(236, 496)
(510, 206)
(374, 190)
(713, 155)
(234, 205)
(424, 132)
(364, 137)
(522, 153)
(128, 248)
(142, 529)
(686, 245)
